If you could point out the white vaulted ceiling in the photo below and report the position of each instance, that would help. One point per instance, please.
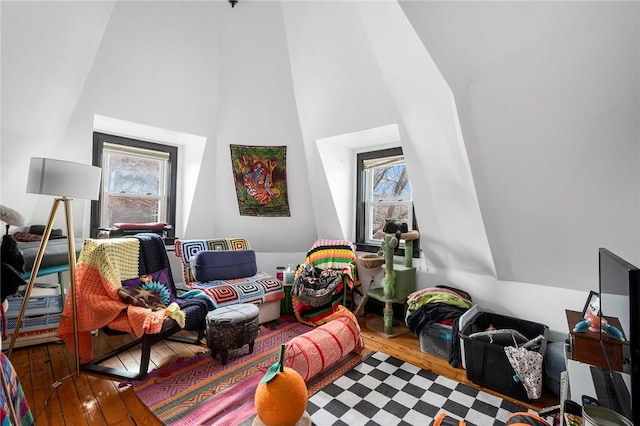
(519, 119)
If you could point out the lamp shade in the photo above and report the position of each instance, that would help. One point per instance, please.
(63, 179)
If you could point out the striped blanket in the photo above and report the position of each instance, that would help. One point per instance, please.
(338, 255)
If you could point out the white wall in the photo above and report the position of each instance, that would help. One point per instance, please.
(548, 97)
(47, 54)
(546, 92)
(338, 88)
(258, 107)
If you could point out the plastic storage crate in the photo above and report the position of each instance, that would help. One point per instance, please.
(42, 301)
(32, 337)
(486, 363)
(436, 340)
(34, 322)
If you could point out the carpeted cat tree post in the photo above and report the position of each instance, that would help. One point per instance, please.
(398, 282)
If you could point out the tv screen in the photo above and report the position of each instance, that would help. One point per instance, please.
(619, 288)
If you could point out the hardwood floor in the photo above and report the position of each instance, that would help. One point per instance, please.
(58, 397)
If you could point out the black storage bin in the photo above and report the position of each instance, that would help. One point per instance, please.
(487, 364)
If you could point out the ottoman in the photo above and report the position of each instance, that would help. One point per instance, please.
(231, 327)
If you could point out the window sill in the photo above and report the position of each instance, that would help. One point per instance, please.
(373, 248)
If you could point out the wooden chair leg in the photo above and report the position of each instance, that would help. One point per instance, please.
(146, 342)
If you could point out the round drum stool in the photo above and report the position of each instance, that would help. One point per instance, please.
(231, 327)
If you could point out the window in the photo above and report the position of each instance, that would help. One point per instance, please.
(383, 193)
(138, 182)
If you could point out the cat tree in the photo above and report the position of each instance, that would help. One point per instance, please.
(398, 282)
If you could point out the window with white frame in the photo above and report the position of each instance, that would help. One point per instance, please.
(383, 193)
(138, 182)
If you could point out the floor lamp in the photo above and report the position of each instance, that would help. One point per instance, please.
(65, 180)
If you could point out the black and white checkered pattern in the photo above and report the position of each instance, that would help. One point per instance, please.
(383, 390)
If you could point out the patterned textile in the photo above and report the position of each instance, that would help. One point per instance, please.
(315, 286)
(528, 366)
(139, 296)
(185, 392)
(315, 351)
(257, 289)
(186, 249)
(231, 327)
(17, 397)
(153, 254)
(261, 288)
(260, 177)
(102, 267)
(329, 254)
(195, 305)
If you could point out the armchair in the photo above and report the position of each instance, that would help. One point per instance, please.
(124, 285)
(229, 274)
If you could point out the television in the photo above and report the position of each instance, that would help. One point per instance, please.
(619, 288)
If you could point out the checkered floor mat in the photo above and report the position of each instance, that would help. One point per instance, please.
(383, 390)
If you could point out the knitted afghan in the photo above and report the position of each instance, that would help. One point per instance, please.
(101, 268)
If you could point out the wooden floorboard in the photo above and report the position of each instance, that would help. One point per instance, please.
(58, 396)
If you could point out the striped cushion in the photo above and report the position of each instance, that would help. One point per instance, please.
(323, 347)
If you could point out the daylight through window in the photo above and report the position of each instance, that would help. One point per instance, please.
(138, 181)
(135, 182)
(384, 193)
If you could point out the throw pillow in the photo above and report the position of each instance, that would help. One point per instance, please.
(142, 297)
(211, 265)
(147, 291)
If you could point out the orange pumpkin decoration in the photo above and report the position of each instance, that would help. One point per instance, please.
(281, 396)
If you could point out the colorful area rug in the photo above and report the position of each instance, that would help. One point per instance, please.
(371, 388)
(201, 391)
(173, 392)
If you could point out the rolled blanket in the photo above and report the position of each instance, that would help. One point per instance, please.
(321, 348)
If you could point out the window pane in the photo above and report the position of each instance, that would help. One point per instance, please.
(123, 209)
(390, 183)
(383, 193)
(135, 175)
(139, 182)
(389, 194)
(382, 213)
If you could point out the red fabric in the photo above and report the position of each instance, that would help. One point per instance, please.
(26, 237)
(321, 348)
(141, 226)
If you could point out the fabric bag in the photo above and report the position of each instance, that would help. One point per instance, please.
(528, 367)
(443, 419)
(524, 419)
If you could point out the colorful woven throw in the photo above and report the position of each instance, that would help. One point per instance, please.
(329, 254)
(183, 392)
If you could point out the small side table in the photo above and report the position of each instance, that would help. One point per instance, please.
(585, 345)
